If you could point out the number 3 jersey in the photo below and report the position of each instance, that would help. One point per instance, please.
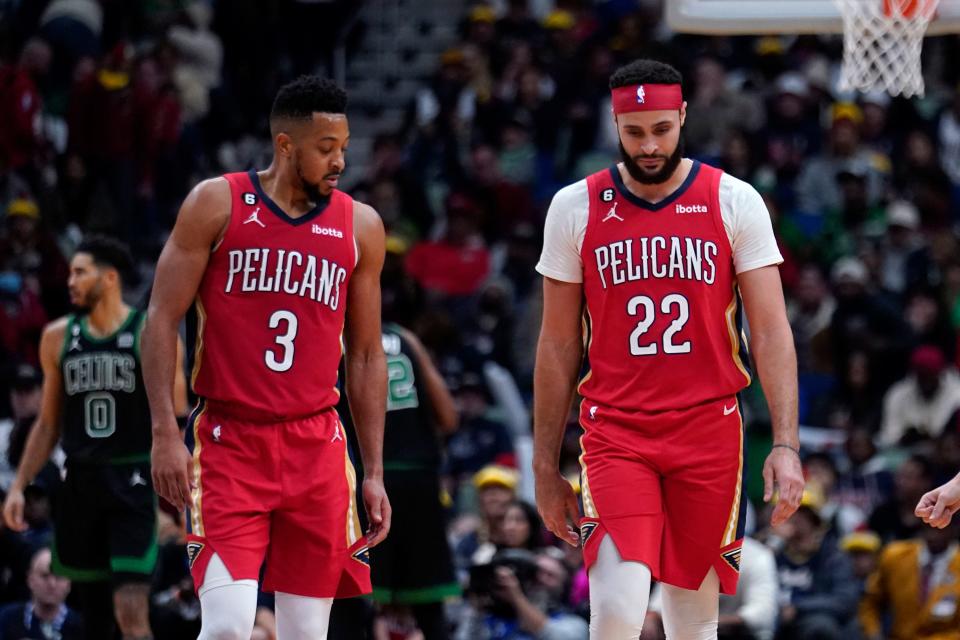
(271, 307)
(663, 320)
(106, 417)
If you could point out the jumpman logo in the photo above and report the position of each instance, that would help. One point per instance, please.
(613, 213)
(137, 479)
(253, 218)
(336, 434)
(593, 412)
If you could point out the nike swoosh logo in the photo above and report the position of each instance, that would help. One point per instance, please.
(728, 410)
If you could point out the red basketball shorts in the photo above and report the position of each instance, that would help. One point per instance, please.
(667, 487)
(284, 492)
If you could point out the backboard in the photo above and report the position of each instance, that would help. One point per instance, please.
(744, 17)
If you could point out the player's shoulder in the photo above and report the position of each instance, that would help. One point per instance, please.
(571, 201)
(366, 218)
(56, 328)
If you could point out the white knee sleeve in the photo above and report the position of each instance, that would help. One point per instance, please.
(302, 618)
(228, 607)
(692, 615)
(619, 593)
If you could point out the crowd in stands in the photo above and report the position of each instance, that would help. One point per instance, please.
(112, 109)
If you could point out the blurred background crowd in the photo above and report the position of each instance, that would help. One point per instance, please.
(466, 118)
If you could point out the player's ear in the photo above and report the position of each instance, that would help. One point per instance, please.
(284, 144)
(683, 112)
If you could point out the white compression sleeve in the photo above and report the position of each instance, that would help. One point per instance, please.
(619, 592)
(227, 606)
(302, 618)
(692, 615)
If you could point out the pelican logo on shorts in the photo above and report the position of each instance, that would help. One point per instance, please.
(586, 530)
(362, 555)
(193, 552)
(733, 558)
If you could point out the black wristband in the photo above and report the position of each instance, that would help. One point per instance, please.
(786, 446)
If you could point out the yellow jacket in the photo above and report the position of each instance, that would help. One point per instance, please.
(895, 587)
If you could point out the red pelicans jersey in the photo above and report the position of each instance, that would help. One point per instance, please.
(662, 318)
(271, 307)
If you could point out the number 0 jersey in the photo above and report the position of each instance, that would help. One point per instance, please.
(271, 307)
(663, 318)
(106, 417)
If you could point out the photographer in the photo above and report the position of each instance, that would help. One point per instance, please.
(518, 596)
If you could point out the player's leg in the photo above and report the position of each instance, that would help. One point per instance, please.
(81, 549)
(133, 545)
(302, 617)
(619, 594)
(692, 615)
(228, 607)
(131, 608)
(236, 489)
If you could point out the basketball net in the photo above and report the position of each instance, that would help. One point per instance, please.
(882, 41)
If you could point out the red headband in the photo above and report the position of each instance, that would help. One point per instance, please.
(647, 97)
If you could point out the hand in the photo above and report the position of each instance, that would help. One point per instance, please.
(558, 506)
(937, 507)
(172, 470)
(782, 473)
(13, 510)
(378, 510)
(507, 585)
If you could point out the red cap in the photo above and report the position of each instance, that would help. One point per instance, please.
(927, 359)
(647, 97)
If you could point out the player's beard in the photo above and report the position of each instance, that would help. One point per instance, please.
(311, 189)
(643, 176)
(90, 299)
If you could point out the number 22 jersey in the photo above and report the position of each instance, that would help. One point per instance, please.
(663, 315)
(271, 307)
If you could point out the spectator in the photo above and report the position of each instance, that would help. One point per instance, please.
(514, 598)
(45, 616)
(521, 528)
(458, 263)
(894, 519)
(902, 247)
(865, 484)
(716, 109)
(810, 309)
(917, 585)
(818, 189)
(921, 404)
(21, 108)
(863, 549)
(29, 249)
(818, 594)
(839, 518)
(496, 488)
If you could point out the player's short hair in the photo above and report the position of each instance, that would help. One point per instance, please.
(108, 252)
(645, 72)
(301, 98)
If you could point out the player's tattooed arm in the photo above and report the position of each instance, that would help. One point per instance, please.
(771, 341)
(200, 224)
(559, 357)
(366, 365)
(45, 431)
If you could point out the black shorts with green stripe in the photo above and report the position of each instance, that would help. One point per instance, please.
(105, 522)
(413, 565)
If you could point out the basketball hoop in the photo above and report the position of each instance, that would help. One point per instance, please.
(882, 41)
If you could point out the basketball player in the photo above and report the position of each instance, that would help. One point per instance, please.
(268, 258)
(94, 402)
(937, 507)
(654, 256)
(414, 567)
